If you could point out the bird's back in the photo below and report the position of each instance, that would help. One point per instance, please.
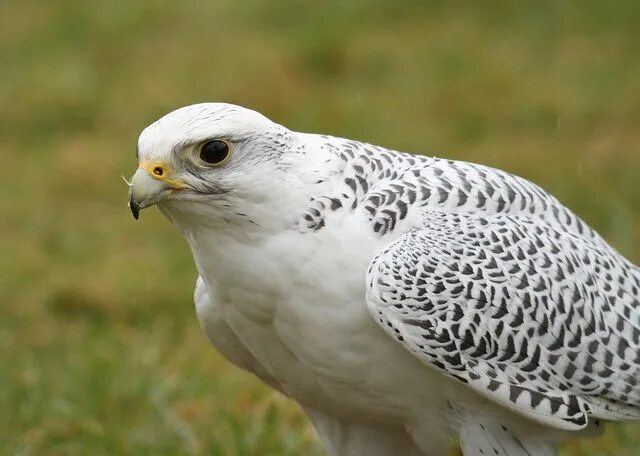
(398, 192)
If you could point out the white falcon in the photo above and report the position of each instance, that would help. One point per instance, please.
(401, 300)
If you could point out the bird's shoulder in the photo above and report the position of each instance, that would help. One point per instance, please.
(388, 186)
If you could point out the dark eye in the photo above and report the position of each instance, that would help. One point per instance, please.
(214, 152)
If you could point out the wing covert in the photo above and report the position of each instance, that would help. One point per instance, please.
(542, 321)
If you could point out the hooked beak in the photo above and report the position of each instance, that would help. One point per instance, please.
(145, 191)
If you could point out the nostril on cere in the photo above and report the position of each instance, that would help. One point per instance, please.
(158, 171)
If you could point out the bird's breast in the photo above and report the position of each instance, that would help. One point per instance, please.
(297, 302)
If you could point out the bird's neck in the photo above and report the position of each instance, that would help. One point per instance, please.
(319, 182)
(284, 219)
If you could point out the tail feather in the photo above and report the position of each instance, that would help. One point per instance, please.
(483, 437)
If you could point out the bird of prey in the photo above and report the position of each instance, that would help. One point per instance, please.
(401, 300)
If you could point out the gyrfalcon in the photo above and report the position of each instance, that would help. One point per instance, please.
(401, 300)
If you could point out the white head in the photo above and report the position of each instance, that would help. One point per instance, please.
(208, 159)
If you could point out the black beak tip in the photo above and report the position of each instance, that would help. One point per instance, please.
(135, 209)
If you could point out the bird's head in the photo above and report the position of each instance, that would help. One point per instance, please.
(208, 155)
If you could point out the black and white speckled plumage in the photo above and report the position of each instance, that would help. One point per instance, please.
(511, 322)
(497, 284)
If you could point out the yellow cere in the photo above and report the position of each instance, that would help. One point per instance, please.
(160, 171)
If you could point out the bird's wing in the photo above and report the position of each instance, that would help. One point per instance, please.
(542, 321)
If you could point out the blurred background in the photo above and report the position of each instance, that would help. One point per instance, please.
(100, 349)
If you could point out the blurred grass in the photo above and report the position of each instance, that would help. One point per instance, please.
(100, 349)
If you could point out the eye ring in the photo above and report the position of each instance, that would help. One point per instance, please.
(215, 152)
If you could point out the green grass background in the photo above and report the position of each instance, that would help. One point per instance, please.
(100, 350)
